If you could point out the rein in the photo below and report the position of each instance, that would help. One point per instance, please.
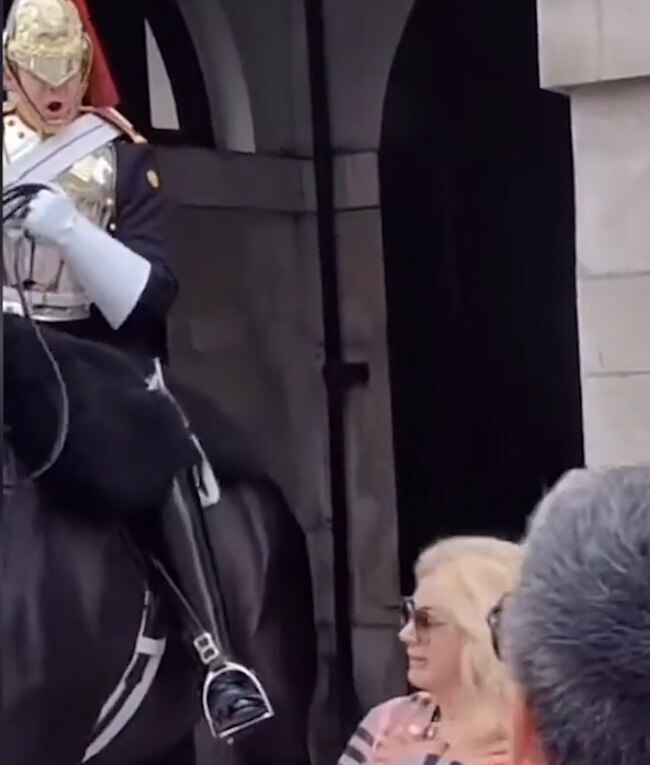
(15, 203)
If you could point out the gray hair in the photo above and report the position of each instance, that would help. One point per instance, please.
(577, 628)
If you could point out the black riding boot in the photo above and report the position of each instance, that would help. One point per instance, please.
(233, 698)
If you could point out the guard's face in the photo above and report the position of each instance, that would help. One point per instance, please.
(55, 106)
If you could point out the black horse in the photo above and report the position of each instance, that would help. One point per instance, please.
(73, 591)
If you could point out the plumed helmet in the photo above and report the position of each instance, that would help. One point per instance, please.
(55, 40)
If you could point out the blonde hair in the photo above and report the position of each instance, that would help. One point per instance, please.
(475, 572)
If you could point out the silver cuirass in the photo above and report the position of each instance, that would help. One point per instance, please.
(50, 287)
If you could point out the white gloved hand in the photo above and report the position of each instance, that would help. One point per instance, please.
(111, 274)
(51, 215)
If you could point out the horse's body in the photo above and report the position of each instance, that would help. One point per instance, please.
(73, 592)
(71, 605)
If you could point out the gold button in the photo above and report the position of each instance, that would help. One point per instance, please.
(152, 177)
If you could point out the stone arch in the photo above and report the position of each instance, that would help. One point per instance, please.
(164, 109)
(218, 66)
(215, 50)
(176, 83)
(223, 73)
(476, 188)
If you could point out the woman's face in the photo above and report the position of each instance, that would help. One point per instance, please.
(432, 641)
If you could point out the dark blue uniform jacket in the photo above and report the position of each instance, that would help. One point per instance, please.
(139, 222)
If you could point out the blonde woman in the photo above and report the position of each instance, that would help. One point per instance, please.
(459, 712)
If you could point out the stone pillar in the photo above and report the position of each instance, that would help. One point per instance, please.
(598, 52)
(359, 59)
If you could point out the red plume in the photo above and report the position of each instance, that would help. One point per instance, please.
(102, 91)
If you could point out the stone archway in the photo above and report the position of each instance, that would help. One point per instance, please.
(477, 207)
(147, 27)
(183, 67)
(219, 56)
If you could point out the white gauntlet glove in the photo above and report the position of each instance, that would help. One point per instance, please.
(112, 275)
(49, 214)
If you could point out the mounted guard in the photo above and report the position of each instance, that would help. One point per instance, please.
(88, 254)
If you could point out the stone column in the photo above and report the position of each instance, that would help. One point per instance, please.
(598, 52)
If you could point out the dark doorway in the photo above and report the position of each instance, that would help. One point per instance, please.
(478, 216)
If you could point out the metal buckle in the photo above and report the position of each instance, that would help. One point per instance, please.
(207, 649)
(229, 732)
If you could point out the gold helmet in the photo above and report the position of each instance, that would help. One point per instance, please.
(47, 39)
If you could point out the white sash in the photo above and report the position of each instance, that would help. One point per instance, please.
(59, 153)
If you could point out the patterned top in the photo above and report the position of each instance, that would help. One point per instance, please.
(417, 709)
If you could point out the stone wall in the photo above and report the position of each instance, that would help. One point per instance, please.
(598, 52)
(248, 327)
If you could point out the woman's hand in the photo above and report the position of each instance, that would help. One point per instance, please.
(404, 744)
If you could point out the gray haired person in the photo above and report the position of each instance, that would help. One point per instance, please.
(576, 631)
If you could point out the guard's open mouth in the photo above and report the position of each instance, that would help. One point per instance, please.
(54, 107)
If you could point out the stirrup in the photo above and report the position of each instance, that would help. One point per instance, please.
(233, 701)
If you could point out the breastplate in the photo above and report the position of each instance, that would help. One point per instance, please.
(51, 289)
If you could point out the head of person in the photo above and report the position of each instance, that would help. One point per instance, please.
(576, 631)
(51, 60)
(446, 633)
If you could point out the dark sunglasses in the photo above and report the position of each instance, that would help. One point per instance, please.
(421, 619)
(495, 623)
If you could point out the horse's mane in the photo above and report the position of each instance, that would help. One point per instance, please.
(125, 443)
